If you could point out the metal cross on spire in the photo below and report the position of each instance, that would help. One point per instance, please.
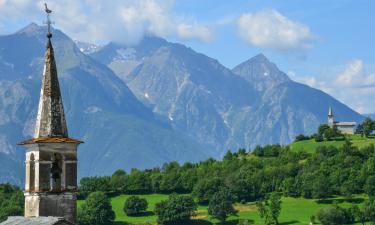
(49, 23)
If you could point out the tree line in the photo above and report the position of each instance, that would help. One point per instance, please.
(11, 201)
(253, 177)
(250, 176)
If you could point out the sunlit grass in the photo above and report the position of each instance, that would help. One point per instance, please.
(311, 145)
(295, 211)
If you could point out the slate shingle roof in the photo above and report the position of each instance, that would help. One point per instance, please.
(51, 119)
(19, 220)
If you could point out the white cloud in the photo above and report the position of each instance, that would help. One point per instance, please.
(354, 75)
(270, 29)
(189, 31)
(311, 81)
(116, 20)
(351, 85)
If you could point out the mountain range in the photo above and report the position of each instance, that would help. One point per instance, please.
(253, 103)
(140, 106)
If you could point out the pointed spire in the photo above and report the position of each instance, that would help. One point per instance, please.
(51, 119)
(330, 113)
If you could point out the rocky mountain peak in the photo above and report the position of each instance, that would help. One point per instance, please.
(261, 72)
(153, 41)
(36, 31)
(119, 53)
(260, 58)
(31, 28)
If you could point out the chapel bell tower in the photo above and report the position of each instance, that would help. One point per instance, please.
(330, 117)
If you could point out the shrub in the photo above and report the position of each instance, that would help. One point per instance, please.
(329, 134)
(319, 138)
(369, 209)
(301, 137)
(335, 215)
(134, 205)
(370, 186)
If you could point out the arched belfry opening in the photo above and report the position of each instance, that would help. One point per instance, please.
(32, 172)
(56, 172)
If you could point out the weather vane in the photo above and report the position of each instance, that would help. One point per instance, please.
(49, 23)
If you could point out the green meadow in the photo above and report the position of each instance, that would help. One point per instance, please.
(296, 211)
(311, 145)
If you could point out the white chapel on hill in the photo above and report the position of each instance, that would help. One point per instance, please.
(344, 127)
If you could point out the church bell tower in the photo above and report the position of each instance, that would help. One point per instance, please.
(330, 117)
(51, 156)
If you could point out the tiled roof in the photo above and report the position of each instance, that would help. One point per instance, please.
(345, 123)
(19, 220)
(50, 140)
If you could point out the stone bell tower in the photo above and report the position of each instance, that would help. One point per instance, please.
(51, 156)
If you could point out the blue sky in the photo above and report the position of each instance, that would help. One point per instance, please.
(327, 44)
(344, 29)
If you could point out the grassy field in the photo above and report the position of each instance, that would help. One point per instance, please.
(296, 211)
(311, 145)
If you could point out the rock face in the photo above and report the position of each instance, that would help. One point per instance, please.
(87, 48)
(255, 103)
(261, 73)
(118, 130)
(194, 91)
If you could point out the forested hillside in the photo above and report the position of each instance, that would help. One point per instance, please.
(328, 172)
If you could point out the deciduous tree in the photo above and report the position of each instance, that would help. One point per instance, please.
(367, 126)
(221, 205)
(270, 209)
(96, 210)
(178, 209)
